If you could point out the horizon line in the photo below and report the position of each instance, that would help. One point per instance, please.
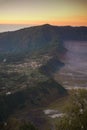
(43, 24)
(16, 27)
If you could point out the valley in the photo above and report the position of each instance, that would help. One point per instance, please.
(74, 73)
(38, 67)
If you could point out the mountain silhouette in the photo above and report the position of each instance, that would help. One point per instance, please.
(39, 39)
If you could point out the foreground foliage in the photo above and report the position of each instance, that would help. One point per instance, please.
(75, 117)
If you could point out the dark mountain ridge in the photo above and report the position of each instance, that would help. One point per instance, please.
(39, 38)
(31, 39)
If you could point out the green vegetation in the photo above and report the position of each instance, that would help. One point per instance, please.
(28, 59)
(39, 95)
(30, 89)
(75, 117)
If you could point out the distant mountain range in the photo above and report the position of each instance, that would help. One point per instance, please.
(39, 39)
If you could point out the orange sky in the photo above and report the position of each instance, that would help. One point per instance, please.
(34, 12)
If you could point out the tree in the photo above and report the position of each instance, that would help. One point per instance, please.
(75, 117)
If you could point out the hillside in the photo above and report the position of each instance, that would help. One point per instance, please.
(38, 40)
(33, 39)
(39, 95)
(24, 89)
(28, 60)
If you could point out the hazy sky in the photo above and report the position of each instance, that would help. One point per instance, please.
(58, 12)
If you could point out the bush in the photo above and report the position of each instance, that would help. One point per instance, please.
(75, 117)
